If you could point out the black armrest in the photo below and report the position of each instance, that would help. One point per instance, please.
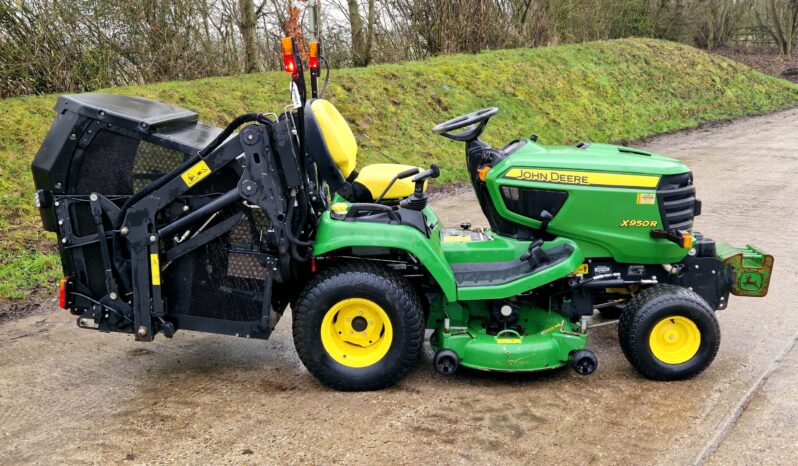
(367, 207)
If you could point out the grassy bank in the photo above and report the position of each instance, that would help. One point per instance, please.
(600, 91)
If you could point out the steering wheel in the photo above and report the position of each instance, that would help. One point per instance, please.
(475, 121)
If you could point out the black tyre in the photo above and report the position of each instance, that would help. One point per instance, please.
(669, 333)
(358, 326)
(584, 362)
(446, 362)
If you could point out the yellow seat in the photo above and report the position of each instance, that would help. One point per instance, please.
(330, 134)
(376, 177)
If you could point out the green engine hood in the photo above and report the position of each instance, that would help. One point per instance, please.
(599, 157)
(603, 197)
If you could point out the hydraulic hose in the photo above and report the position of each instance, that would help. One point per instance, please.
(295, 254)
(305, 208)
(288, 217)
(304, 216)
(228, 130)
(326, 77)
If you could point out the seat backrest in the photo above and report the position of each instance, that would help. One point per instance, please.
(330, 141)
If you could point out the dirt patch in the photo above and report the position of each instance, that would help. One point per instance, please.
(438, 191)
(11, 310)
(766, 62)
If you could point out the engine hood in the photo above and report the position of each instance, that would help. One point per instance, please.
(594, 156)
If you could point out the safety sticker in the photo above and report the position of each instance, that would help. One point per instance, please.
(196, 173)
(295, 98)
(508, 341)
(582, 269)
(646, 198)
(155, 269)
(456, 239)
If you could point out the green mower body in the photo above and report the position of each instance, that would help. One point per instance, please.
(166, 224)
(605, 201)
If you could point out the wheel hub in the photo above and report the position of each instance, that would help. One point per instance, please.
(359, 324)
(675, 340)
(356, 332)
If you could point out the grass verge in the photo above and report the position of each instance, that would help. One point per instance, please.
(600, 91)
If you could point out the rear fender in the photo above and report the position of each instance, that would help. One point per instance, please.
(334, 234)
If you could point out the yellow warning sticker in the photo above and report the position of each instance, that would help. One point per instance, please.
(622, 180)
(582, 269)
(196, 173)
(510, 341)
(456, 239)
(646, 198)
(155, 269)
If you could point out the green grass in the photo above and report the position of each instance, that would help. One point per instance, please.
(599, 91)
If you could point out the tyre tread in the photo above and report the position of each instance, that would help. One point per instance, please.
(650, 300)
(398, 290)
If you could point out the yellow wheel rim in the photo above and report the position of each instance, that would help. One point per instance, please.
(675, 340)
(356, 332)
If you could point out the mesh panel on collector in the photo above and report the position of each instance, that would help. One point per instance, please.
(152, 162)
(105, 167)
(223, 279)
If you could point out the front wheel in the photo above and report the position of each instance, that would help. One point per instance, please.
(358, 326)
(669, 333)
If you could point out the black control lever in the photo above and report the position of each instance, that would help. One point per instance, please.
(432, 172)
(399, 176)
(536, 255)
(418, 200)
(545, 218)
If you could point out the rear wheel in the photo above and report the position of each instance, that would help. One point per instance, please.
(358, 326)
(669, 333)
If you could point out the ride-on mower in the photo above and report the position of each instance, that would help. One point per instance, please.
(164, 223)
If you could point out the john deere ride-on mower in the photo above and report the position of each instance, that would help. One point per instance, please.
(164, 223)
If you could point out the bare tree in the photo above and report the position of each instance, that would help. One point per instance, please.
(362, 33)
(717, 21)
(79, 45)
(247, 23)
(780, 19)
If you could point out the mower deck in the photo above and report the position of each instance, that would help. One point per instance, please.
(544, 340)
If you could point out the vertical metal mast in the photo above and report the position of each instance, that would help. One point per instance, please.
(314, 20)
(313, 13)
